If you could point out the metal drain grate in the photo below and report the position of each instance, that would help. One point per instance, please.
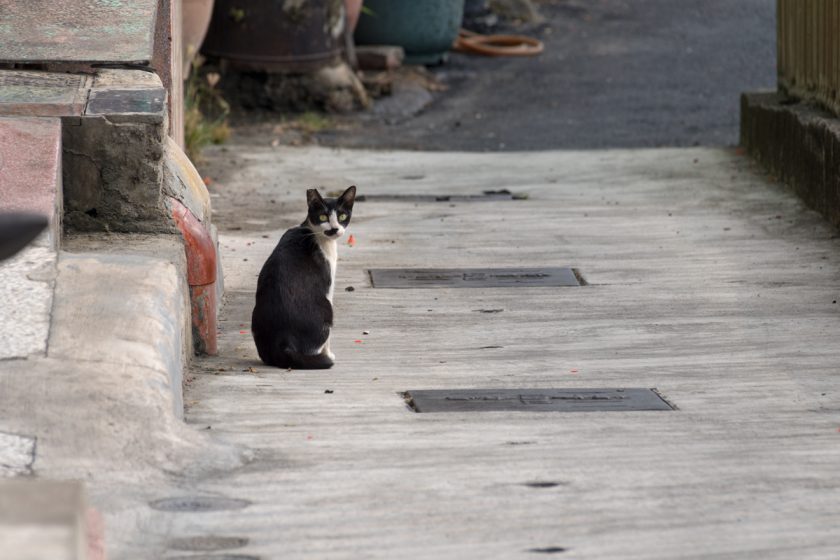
(216, 557)
(486, 196)
(536, 400)
(208, 543)
(474, 277)
(198, 504)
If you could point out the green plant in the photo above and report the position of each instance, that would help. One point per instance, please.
(205, 111)
(312, 122)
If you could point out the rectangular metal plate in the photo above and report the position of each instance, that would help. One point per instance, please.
(485, 197)
(537, 400)
(125, 101)
(473, 277)
(85, 31)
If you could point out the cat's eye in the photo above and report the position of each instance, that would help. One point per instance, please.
(323, 217)
(342, 217)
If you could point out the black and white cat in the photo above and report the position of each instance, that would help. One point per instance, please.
(293, 314)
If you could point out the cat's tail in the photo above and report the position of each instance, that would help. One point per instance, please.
(296, 360)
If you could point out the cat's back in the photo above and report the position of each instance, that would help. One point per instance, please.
(296, 247)
(296, 257)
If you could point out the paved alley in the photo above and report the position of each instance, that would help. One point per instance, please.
(706, 280)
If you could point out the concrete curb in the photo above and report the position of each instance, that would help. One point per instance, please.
(798, 143)
(105, 403)
(126, 309)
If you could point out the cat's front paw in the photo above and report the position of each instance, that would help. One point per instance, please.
(330, 355)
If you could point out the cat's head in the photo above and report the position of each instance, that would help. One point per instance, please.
(330, 216)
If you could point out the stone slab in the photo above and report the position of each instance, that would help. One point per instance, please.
(30, 169)
(42, 94)
(535, 400)
(17, 455)
(26, 297)
(78, 31)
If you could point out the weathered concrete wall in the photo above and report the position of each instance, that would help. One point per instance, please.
(799, 144)
(113, 174)
(113, 156)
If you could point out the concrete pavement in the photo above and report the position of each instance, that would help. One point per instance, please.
(706, 280)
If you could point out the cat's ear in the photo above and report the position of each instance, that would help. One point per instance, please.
(313, 197)
(348, 197)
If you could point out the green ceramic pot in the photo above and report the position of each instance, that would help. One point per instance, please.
(426, 29)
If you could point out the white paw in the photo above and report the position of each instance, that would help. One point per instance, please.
(330, 355)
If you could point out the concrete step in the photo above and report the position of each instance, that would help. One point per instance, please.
(113, 130)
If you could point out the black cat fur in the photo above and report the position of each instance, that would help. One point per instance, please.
(293, 316)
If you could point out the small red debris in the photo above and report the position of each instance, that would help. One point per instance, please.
(351, 240)
(573, 371)
(357, 341)
(243, 332)
(208, 181)
(309, 437)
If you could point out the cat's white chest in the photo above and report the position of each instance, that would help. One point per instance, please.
(330, 250)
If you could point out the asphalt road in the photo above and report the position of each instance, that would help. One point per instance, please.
(615, 74)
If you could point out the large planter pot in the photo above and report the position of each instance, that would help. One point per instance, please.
(424, 29)
(195, 19)
(275, 36)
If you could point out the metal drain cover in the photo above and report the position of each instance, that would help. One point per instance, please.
(107, 102)
(207, 543)
(536, 400)
(198, 504)
(485, 196)
(216, 557)
(473, 277)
